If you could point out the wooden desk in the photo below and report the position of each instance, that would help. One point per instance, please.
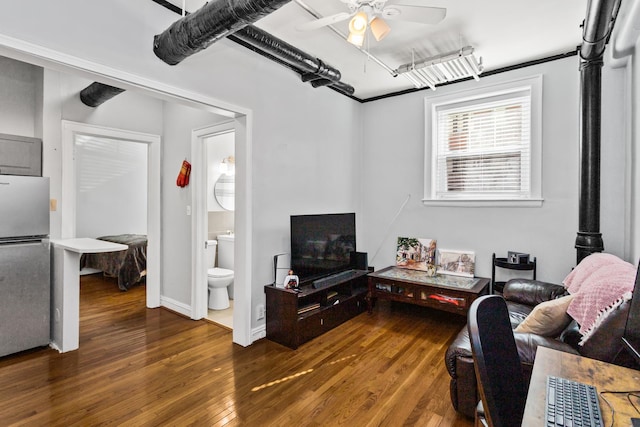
(604, 376)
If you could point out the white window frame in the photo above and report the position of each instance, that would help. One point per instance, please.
(480, 96)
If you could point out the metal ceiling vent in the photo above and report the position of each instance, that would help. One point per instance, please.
(212, 22)
(443, 68)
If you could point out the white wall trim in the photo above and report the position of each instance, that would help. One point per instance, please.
(177, 306)
(199, 229)
(68, 206)
(259, 333)
(242, 265)
(494, 203)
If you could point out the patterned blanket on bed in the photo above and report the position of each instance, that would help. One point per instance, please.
(128, 266)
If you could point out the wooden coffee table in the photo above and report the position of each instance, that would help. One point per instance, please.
(443, 292)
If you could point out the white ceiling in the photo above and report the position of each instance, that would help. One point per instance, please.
(502, 32)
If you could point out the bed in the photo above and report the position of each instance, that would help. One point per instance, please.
(129, 266)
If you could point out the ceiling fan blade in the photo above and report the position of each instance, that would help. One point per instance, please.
(421, 14)
(327, 20)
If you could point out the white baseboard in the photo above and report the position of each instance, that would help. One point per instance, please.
(176, 306)
(184, 309)
(258, 333)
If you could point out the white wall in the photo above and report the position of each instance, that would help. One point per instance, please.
(176, 223)
(634, 156)
(623, 59)
(394, 167)
(19, 83)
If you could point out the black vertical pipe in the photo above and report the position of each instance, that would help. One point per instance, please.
(596, 31)
(589, 239)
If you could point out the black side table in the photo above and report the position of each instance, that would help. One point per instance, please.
(502, 263)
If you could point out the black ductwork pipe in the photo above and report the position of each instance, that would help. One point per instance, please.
(284, 51)
(97, 93)
(310, 69)
(210, 23)
(597, 28)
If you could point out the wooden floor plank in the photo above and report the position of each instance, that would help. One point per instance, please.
(147, 367)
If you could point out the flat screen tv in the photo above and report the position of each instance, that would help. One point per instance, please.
(322, 244)
(631, 336)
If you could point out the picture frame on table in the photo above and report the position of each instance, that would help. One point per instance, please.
(456, 262)
(416, 253)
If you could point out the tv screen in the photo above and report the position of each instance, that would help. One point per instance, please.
(321, 244)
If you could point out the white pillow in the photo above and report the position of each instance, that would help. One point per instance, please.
(548, 318)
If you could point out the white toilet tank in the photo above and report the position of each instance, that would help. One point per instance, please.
(225, 251)
(211, 253)
(225, 256)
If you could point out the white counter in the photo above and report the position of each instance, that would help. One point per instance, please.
(66, 287)
(84, 245)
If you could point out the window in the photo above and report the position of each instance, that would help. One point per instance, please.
(484, 145)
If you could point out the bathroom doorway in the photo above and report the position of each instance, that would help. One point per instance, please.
(220, 182)
(212, 164)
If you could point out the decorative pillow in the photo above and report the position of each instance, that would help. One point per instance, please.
(586, 268)
(548, 318)
(603, 291)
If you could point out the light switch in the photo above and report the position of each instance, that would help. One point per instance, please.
(53, 205)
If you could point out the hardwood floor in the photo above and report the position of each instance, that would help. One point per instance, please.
(137, 366)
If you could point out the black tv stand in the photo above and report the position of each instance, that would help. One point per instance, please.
(294, 318)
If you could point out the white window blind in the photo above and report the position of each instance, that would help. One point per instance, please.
(483, 148)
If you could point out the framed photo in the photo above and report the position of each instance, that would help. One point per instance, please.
(416, 253)
(457, 263)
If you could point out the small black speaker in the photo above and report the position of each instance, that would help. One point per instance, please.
(359, 261)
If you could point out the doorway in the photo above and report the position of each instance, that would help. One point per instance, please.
(220, 216)
(74, 133)
(242, 333)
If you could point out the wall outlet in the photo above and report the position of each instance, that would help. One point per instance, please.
(260, 312)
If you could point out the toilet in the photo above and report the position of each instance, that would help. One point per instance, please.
(217, 279)
(226, 243)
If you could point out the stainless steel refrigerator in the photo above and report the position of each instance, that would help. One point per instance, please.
(25, 274)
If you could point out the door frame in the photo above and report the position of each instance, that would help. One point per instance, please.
(68, 212)
(242, 224)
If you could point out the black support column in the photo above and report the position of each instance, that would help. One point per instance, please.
(597, 27)
(589, 239)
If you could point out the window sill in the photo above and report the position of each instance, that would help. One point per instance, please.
(489, 203)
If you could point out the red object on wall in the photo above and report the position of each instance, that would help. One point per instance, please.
(183, 176)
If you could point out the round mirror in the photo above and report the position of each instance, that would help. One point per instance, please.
(224, 191)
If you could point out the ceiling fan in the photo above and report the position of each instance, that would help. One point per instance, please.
(373, 14)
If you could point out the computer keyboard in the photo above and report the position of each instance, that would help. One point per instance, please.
(334, 278)
(571, 404)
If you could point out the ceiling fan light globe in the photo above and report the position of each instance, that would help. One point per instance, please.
(358, 24)
(379, 28)
(356, 39)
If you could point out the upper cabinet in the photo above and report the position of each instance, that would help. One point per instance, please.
(20, 155)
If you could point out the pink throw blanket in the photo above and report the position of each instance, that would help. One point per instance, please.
(586, 267)
(604, 289)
